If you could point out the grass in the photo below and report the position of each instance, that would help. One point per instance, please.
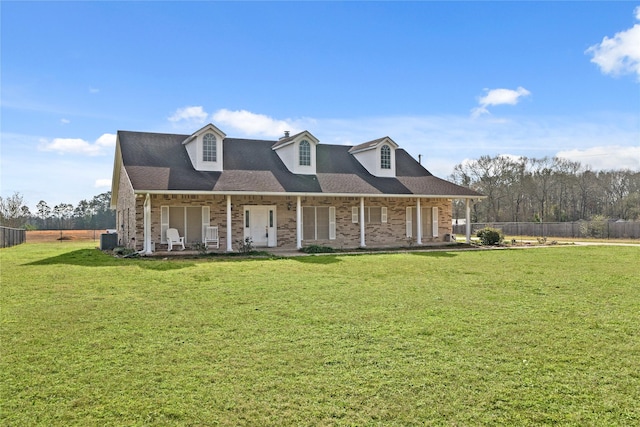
(504, 337)
(559, 240)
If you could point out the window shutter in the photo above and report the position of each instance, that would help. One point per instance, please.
(409, 223)
(354, 215)
(383, 214)
(164, 223)
(332, 223)
(434, 220)
(205, 220)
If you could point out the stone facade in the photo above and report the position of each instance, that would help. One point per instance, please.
(393, 232)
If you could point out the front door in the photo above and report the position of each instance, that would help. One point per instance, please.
(260, 225)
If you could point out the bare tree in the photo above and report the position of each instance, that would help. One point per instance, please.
(547, 189)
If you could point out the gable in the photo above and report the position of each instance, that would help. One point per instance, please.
(377, 156)
(205, 148)
(298, 152)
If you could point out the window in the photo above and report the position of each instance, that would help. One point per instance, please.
(429, 221)
(385, 157)
(209, 149)
(372, 214)
(190, 221)
(318, 223)
(305, 153)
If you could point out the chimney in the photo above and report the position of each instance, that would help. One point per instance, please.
(420, 158)
(286, 135)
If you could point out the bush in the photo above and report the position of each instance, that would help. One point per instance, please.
(596, 227)
(245, 246)
(317, 249)
(201, 247)
(122, 251)
(490, 236)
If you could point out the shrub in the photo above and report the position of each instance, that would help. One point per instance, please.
(596, 227)
(245, 246)
(490, 236)
(201, 247)
(317, 249)
(122, 251)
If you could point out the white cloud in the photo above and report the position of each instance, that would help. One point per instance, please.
(93, 90)
(107, 140)
(248, 123)
(65, 121)
(605, 157)
(621, 53)
(103, 182)
(44, 175)
(193, 114)
(499, 97)
(79, 146)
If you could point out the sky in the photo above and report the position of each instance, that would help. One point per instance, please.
(450, 81)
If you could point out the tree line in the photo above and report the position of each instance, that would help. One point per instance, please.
(94, 214)
(549, 189)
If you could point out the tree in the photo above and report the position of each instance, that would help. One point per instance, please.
(44, 212)
(63, 212)
(13, 212)
(104, 216)
(82, 215)
(542, 183)
(549, 189)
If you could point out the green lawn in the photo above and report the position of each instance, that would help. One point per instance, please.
(543, 336)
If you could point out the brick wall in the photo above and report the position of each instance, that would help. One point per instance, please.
(126, 212)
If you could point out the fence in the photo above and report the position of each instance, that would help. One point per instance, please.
(12, 236)
(597, 229)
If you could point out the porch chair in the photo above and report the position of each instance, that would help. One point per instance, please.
(211, 237)
(173, 238)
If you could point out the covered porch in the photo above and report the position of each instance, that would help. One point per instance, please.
(275, 222)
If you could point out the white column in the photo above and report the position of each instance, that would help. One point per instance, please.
(147, 225)
(229, 236)
(468, 219)
(362, 237)
(298, 223)
(419, 223)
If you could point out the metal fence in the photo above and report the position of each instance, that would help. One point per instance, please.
(596, 229)
(12, 236)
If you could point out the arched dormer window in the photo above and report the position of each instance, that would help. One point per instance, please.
(305, 153)
(385, 157)
(209, 149)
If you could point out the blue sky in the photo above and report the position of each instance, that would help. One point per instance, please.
(448, 80)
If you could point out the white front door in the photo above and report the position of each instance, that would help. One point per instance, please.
(260, 225)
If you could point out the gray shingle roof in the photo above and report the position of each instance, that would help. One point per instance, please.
(157, 162)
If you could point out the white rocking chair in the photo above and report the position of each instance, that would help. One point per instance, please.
(173, 238)
(211, 237)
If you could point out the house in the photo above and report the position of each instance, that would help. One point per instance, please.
(287, 193)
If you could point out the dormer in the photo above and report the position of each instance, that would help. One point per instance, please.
(298, 152)
(205, 148)
(377, 156)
